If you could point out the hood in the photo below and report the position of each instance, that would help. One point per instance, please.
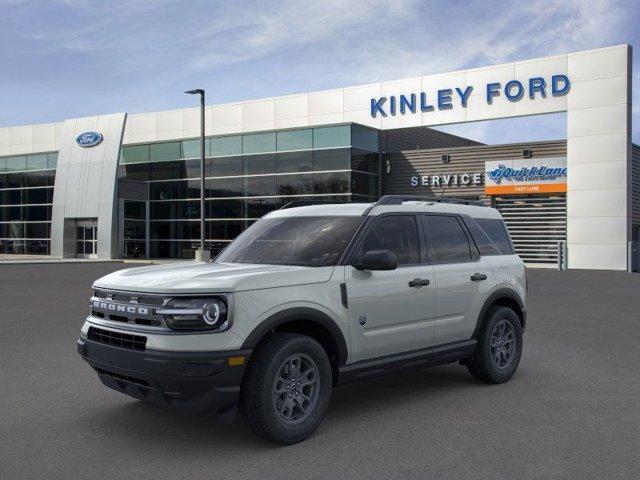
(191, 277)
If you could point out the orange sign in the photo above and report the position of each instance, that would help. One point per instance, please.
(516, 189)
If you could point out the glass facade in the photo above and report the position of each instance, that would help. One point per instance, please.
(26, 196)
(246, 177)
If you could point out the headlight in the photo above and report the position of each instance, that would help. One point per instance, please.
(196, 314)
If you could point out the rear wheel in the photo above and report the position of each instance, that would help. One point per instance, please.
(499, 346)
(287, 388)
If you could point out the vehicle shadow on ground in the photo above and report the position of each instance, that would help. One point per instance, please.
(132, 421)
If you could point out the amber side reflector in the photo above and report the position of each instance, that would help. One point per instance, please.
(236, 361)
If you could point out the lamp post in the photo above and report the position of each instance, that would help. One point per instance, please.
(200, 254)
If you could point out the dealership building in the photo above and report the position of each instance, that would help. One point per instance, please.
(127, 185)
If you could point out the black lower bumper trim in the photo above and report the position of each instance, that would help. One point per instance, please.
(200, 381)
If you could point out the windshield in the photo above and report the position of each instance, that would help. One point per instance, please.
(306, 241)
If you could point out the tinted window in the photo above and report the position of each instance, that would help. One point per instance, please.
(325, 137)
(223, 166)
(295, 140)
(497, 232)
(397, 233)
(332, 159)
(260, 164)
(37, 162)
(308, 241)
(486, 246)
(295, 162)
(447, 241)
(162, 152)
(135, 154)
(259, 143)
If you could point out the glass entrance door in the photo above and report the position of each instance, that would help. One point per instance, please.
(87, 239)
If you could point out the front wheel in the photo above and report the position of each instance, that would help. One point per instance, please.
(499, 346)
(287, 388)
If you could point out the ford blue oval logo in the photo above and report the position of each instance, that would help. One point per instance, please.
(89, 139)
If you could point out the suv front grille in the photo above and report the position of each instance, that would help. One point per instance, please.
(128, 308)
(117, 339)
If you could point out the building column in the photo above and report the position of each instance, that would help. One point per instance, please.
(599, 158)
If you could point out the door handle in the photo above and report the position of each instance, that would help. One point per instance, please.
(418, 282)
(477, 277)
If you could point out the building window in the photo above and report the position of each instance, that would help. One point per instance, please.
(26, 197)
(247, 176)
(331, 137)
(295, 140)
(225, 146)
(162, 152)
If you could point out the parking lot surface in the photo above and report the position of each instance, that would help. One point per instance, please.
(571, 411)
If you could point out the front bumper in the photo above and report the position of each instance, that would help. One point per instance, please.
(200, 381)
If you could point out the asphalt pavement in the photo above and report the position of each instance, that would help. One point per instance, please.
(572, 411)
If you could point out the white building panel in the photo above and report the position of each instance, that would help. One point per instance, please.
(479, 109)
(597, 120)
(326, 103)
(538, 106)
(296, 106)
(597, 176)
(359, 98)
(612, 230)
(21, 135)
(171, 121)
(227, 116)
(328, 118)
(600, 63)
(598, 148)
(293, 122)
(444, 117)
(598, 256)
(597, 203)
(441, 81)
(598, 93)
(363, 117)
(262, 111)
(540, 67)
(480, 77)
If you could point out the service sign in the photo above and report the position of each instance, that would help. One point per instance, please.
(522, 176)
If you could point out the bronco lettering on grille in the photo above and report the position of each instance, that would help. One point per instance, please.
(115, 307)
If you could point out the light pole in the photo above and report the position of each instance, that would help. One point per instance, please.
(200, 254)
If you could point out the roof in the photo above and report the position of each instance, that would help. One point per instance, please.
(358, 209)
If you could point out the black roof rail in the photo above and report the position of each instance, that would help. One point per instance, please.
(400, 199)
(307, 203)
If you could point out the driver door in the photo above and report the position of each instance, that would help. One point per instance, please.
(388, 312)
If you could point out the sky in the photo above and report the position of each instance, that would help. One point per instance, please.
(73, 58)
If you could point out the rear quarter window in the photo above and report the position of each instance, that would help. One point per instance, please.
(491, 236)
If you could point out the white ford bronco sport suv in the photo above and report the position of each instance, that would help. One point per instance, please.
(309, 297)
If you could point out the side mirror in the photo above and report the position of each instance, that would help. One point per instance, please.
(378, 260)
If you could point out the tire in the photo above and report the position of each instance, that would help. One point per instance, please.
(273, 404)
(496, 359)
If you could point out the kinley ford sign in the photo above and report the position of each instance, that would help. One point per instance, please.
(504, 177)
(447, 98)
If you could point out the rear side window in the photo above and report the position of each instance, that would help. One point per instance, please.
(397, 233)
(490, 235)
(447, 241)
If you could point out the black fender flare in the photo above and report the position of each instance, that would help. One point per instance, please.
(499, 294)
(297, 314)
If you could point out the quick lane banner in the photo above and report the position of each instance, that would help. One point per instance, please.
(528, 175)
